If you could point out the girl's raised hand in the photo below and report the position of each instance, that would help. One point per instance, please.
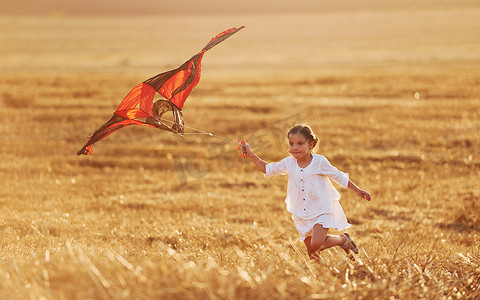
(244, 148)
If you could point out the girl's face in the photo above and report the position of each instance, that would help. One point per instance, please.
(299, 147)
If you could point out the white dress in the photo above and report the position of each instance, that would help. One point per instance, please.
(311, 197)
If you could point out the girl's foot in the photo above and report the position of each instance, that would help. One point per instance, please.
(349, 245)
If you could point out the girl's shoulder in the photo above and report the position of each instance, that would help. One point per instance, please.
(319, 158)
(288, 160)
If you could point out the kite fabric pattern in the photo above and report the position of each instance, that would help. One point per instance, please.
(138, 108)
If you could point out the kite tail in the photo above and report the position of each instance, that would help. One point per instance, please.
(87, 149)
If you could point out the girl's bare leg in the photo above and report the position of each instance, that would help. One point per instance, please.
(308, 243)
(320, 240)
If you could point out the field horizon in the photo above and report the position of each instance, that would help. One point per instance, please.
(124, 8)
(393, 97)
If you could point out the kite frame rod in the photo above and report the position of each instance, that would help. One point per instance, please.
(199, 131)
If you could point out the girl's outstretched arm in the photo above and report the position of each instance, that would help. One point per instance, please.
(259, 163)
(364, 194)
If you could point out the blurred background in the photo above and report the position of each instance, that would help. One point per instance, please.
(128, 7)
(281, 36)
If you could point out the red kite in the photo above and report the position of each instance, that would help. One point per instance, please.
(138, 107)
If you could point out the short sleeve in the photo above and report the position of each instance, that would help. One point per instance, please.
(278, 168)
(330, 171)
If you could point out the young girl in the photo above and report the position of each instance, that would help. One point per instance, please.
(311, 198)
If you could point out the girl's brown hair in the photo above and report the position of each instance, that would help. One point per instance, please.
(306, 131)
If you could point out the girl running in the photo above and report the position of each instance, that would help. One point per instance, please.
(311, 198)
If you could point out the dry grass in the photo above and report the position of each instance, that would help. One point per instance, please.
(151, 215)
